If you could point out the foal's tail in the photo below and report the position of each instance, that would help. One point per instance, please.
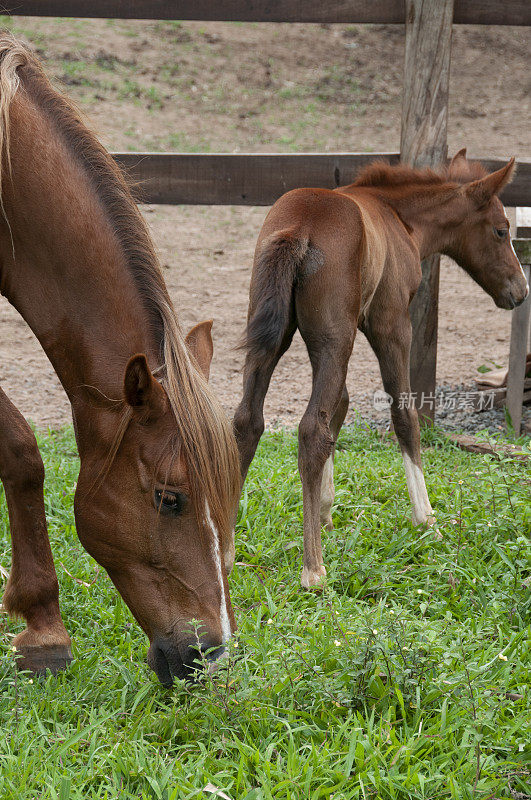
(277, 268)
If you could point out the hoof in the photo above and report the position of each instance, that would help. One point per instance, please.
(313, 579)
(328, 524)
(431, 522)
(423, 518)
(38, 660)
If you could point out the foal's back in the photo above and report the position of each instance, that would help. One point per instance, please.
(351, 239)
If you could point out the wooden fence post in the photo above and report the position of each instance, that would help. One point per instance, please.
(520, 330)
(423, 144)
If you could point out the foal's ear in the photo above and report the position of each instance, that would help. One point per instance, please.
(460, 156)
(141, 391)
(199, 343)
(483, 190)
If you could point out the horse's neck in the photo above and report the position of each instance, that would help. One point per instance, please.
(425, 211)
(68, 277)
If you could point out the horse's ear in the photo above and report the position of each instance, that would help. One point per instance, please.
(199, 343)
(460, 156)
(482, 191)
(141, 391)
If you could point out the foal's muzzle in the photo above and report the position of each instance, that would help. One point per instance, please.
(513, 296)
(184, 660)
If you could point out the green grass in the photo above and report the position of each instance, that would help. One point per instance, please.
(407, 678)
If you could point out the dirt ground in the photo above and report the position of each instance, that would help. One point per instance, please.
(283, 88)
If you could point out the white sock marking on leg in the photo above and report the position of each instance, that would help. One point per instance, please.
(226, 631)
(417, 491)
(327, 488)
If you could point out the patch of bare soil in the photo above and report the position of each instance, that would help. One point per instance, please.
(191, 86)
(207, 257)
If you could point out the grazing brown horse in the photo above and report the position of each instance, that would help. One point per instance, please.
(159, 474)
(330, 262)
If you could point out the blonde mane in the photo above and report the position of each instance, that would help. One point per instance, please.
(206, 434)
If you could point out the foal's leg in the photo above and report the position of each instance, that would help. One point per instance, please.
(327, 485)
(329, 357)
(390, 338)
(249, 417)
(32, 590)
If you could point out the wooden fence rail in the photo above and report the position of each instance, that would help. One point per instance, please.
(259, 179)
(467, 12)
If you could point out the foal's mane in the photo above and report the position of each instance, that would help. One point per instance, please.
(381, 174)
(204, 430)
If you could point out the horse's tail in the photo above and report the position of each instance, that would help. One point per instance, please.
(271, 302)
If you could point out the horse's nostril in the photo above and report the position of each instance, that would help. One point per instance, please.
(158, 662)
(517, 301)
(212, 652)
(184, 661)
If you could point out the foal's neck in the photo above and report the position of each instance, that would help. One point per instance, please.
(63, 267)
(426, 210)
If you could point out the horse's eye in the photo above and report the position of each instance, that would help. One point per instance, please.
(171, 503)
(501, 233)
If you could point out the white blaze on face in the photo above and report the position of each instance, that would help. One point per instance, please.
(226, 631)
(514, 251)
(417, 491)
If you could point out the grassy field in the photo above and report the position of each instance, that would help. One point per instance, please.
(407, 678)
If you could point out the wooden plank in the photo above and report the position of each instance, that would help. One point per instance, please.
(237, 179)
(473, 445)
(522, 248)
(517, 193)
(423, 144)
(517, 359)
(468, 12)
(259, 179)
(523, 223)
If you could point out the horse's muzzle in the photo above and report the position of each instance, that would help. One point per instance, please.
(183, 660)
(514, 292)
(512, 298)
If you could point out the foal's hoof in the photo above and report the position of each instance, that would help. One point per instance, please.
(431, 522)
(328, 524)
(38, 660)
(313, 579)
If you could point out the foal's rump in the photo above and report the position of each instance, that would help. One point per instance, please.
(307, 258)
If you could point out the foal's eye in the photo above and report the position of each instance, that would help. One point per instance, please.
(501, 233)
(170, 503)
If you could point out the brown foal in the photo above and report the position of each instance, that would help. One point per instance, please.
(330, 262)
(159, 475)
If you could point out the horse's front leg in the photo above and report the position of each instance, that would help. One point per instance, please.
(390, 338)
(32, 591)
